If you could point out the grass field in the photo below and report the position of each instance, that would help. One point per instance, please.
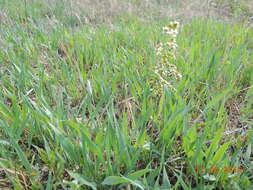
(86, 102)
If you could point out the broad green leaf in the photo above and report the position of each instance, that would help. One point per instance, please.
(138, 174)
(82, 180)
(114, 180)
(220, 153)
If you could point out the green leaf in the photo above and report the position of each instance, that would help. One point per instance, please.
(166, 182)
(114, 180)
(49, 182)
(138, 174)
(248, 152)
(82, 181)
(220, 153)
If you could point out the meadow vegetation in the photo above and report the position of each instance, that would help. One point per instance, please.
(78, 105)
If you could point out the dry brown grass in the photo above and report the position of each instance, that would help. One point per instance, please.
(105, 11)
